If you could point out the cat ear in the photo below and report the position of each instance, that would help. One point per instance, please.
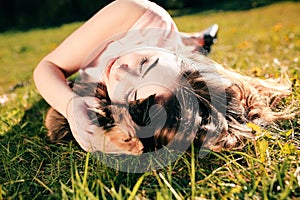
(101, 93)
(139, 110)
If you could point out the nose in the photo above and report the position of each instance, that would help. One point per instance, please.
(125, 71)
(124, 66)
(120, 71)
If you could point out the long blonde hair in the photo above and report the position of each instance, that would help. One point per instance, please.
(228, 101)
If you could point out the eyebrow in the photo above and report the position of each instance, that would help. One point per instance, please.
(150, 67)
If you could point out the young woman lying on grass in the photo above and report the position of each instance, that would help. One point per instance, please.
(144, 85)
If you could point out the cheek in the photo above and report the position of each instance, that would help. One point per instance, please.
(165, 77)
(117, 90)
(131, 61)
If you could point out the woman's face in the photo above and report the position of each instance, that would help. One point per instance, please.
(140, 74)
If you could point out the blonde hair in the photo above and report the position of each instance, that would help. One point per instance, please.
(228, 101)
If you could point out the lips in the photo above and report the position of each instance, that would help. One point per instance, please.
(111, 63)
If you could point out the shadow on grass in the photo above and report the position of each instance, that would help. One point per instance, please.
(23, 151)
(31, 122)
(33, 167)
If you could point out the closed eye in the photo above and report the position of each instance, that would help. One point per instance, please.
(143, 61)
(150, 67)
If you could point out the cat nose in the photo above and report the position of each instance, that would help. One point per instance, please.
(139, 145)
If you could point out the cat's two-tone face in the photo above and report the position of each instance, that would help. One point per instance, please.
(116, 140)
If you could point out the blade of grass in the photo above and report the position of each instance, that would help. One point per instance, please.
(136, 186)
(43, 184)
(102, 189)
(2, 193)
(86, 169)
(176, 195)
(193, 172)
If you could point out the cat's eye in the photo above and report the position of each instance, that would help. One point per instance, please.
(127, 139)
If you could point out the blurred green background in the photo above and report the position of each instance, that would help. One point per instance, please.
(21, 14)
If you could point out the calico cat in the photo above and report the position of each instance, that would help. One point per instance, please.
(114, 122)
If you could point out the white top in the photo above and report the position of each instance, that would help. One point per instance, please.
(155, 28)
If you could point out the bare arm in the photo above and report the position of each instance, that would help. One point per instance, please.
(50, 74)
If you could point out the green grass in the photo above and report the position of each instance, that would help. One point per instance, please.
(252, 41)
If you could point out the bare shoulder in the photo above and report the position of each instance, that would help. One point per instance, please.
(132, 8)
(115, 18)
(119, 15)
(133, 3)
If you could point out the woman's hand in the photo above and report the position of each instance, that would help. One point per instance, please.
(80, 124)
(93, 138)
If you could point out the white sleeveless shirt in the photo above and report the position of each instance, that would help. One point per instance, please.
(155, 28)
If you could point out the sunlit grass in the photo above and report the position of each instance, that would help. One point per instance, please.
(260, 42)
(20, 52)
